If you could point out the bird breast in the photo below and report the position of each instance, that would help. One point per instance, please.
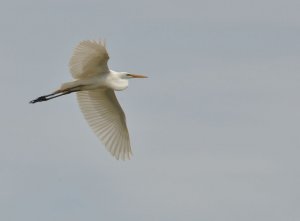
(116, 83)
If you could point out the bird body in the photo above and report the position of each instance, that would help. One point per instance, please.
(95, 84)
(110, 80)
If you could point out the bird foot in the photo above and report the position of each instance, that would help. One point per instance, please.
(39, 99)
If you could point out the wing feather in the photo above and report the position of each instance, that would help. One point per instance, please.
(89, 58)
(105, 116)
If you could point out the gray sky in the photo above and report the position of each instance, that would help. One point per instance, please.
(214, 130)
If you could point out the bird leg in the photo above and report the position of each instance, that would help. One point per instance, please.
(55, 94)
(49, 97)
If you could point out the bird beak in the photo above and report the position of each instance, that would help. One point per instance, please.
(137, 76)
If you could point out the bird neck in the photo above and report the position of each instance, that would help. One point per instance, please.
(116, 82)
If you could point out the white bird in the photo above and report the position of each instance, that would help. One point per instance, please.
(94, 85)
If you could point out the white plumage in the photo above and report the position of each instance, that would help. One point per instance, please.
(105, 116)
(95, 84)
(89, 58)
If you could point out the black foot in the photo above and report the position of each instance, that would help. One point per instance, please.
(39, 99)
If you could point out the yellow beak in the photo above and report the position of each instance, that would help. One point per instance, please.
(137, 76)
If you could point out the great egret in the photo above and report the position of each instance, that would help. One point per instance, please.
(94, 85)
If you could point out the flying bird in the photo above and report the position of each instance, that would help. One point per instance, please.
(94, 84)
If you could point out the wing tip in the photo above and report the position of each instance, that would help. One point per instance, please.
(99, 41)
(123, 156)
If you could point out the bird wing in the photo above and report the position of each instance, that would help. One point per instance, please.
(105, 116)
(89, 58)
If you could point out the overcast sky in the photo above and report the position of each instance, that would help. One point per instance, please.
(214, 129)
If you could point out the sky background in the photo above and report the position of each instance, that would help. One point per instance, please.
(214, 129)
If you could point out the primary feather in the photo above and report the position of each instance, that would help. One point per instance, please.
(105, 116)
(89, 58)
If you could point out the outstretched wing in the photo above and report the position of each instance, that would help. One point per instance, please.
(105, 116)
(89, 58)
